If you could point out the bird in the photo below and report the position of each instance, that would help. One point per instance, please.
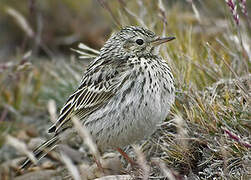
(123, 95)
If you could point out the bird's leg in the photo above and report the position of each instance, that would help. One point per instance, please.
(98, 164)
(132, 162)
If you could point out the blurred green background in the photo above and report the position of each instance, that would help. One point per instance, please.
(58, 24)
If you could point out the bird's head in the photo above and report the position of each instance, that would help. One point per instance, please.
(132, 40)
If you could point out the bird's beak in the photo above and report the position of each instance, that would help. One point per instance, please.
(162, 40)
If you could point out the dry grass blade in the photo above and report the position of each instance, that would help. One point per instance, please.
(84, 55)
(87, 48)
(22, 22)
(21, 147)
(182, 134)
(162, 11)
(85, 135)
(70, 166)
(166, 172)
(107, 7)
(244, 91)
(86, 52)
(141, 160)
(116, 177)
(139, 20)
(163, 17)
(195, 10)
(143, 9)
(52, 109)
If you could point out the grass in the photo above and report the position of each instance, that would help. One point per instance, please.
(207, 134)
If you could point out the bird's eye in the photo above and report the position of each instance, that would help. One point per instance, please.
(139, 41)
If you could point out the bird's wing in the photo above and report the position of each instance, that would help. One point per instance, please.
(95, 90)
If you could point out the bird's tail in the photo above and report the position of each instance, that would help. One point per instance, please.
(41, 151)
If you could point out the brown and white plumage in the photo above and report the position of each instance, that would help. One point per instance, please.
(123, 94)
(92, 93)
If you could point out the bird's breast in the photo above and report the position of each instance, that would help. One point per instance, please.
(138, 106)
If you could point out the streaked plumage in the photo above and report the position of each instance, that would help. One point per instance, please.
(123, 94)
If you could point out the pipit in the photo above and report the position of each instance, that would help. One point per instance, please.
(123, 95)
